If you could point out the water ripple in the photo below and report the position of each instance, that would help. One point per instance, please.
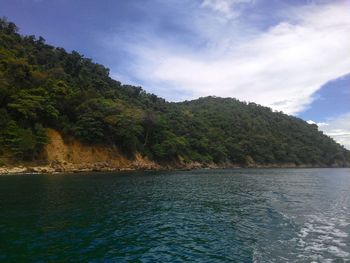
(241, 215)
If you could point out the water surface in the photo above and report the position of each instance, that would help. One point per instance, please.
(241, 215)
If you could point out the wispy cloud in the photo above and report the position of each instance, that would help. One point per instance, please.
(228, 8)
(281, 67)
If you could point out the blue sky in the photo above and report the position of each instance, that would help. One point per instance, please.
(290, 55)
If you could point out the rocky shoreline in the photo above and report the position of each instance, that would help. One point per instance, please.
(55, 168)
(100, 167)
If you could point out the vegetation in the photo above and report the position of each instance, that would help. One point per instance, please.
(42, 86)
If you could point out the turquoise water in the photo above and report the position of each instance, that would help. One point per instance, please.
(242, 215)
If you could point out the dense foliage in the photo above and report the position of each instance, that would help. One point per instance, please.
(42, 86)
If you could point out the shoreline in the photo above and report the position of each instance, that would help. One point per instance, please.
(48, 169)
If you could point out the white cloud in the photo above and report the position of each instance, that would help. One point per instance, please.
(322, 124)
(339, 129)
(225, 7)
(319, 124)
(281, 67)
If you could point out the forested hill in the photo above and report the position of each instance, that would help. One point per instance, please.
(42, 86)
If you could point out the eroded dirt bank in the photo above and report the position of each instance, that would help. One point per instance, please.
(73, 156)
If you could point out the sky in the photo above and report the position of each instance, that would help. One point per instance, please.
(290, 55)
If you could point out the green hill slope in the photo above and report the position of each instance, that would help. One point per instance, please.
(42, 86)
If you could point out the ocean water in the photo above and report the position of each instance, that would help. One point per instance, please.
(240, 215)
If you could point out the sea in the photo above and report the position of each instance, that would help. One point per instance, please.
(231, 215)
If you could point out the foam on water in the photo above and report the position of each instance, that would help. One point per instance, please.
(320, 234)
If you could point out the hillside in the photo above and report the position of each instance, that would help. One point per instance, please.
(43, 87)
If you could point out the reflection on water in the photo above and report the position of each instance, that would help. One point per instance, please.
(243, 215)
